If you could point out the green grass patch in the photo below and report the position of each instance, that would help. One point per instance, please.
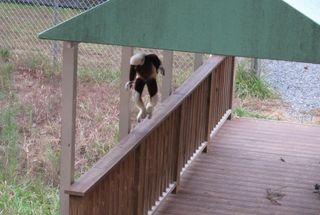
(4, 55)
(36, 61)
(249, 84)
(28, 198)
(99, 75)
(6, 70)
(9, 144)
(242, 112)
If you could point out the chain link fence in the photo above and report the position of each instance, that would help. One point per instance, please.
(22, 20)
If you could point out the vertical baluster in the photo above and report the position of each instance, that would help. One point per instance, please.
(208, 111)
(178, 147)
(138, 195)
(231, 84)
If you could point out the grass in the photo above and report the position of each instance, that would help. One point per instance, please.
(99, 75)
(4, 55)
(19, 195)
(28, 198)
(242, 112)
(249, 84)
(20, 192)
(6, 69)
(9, 143)
(254, 96)
(5, 76)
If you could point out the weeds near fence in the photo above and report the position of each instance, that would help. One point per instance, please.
(19, 193)
(242, 112)
(28, 197)
(255, 98)
(249, 84)
(10, 147)
(4, 55)
(99, 76)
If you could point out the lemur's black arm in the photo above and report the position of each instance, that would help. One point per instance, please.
(133, 72)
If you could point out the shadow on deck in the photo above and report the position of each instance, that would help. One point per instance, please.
(246, 158)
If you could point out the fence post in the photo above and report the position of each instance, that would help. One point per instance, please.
(68, 118)
(255, 66)
(55, 44)
(167, 79)
(124, 119)
(231, 84)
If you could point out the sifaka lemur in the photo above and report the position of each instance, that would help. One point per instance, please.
(144, 69)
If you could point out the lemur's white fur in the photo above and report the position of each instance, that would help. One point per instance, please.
(137, 59)
(153, 102)
(139, 103)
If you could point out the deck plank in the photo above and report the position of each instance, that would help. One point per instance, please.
(242, 162)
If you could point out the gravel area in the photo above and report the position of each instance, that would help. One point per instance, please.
(298, 83)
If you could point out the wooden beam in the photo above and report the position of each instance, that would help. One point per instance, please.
(68, 117)
(124, 119)
(232, 83)
(166, 89)
(197, 61)
(255, 66)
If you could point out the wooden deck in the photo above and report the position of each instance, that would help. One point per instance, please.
(246, 158)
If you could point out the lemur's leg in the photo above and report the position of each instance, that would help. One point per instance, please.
(138, 88)
(153, 92)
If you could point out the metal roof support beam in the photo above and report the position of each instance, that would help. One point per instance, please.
(68, 119)
(124, 117)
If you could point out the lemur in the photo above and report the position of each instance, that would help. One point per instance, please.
(143, 71)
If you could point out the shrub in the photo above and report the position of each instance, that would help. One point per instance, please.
(249, 84)
(4, 55)
(5, 76)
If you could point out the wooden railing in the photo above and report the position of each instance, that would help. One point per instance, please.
(136, 175)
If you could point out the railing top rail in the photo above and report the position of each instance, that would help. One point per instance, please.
(129, 143)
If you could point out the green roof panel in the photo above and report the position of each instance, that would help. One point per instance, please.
(277, 29)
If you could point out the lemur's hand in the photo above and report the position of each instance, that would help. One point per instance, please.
(128, 85)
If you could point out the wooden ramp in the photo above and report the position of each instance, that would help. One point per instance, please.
(246, 158)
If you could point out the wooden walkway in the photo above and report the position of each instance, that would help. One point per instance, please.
(248, 157)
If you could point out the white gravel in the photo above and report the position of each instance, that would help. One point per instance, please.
(298, 83)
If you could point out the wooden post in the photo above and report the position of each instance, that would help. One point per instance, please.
(255, 66)
(166, 89)
(68, 118)
(124, 121)
(231, 84)
(197, 61)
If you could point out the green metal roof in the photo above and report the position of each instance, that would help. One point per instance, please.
(273, 29)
